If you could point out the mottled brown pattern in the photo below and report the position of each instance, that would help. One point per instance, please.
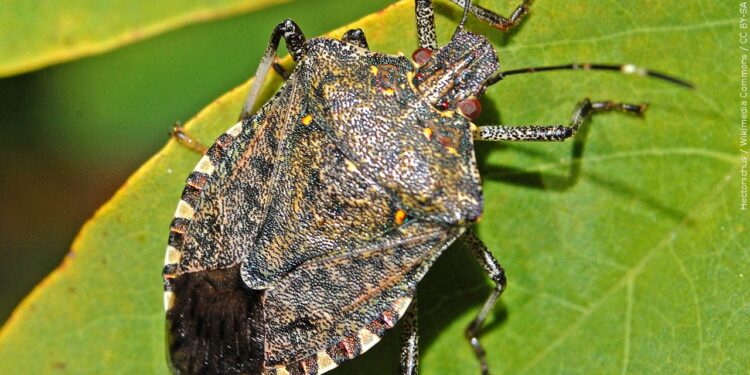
(322, 301)
(216, 324)
(329, 205)
(235, 199)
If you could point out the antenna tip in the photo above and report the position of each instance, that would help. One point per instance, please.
(665, 77)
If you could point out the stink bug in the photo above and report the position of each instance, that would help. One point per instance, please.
(304, 229)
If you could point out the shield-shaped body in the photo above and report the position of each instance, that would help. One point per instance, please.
(303, 231)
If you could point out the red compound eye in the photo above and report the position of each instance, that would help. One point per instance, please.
(421, 55)
(470, 108)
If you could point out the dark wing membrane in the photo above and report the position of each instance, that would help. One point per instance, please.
(325, 301)
(217, 325)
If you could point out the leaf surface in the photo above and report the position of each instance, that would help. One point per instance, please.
(636, 264)
(40, 33)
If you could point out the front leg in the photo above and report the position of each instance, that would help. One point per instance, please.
(426, 19)
(495, 20)
(425, 24)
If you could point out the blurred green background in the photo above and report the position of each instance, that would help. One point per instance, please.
(71, 134)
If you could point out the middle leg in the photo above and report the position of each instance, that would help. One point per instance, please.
(179, 134)
(554, 133)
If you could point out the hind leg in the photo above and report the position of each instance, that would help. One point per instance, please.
(294, 42)
(496, 273)
(410, 340)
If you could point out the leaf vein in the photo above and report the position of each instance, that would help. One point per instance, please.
(630, 275)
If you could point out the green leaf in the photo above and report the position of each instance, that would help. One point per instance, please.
(40, 33)
(638, 265)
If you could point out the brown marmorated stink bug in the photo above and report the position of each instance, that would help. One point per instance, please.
(304, 229)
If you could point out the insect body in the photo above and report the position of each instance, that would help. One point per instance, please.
(304, 229)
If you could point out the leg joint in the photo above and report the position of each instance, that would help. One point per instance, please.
(292, 35)
(501, 282)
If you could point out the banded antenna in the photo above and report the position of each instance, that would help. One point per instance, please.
(622, 68)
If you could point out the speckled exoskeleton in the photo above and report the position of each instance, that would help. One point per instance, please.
(303, 231)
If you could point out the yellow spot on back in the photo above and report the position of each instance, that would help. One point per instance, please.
(307, 120)
(388, 92)
(399, 217)
(427, 133)
(452, 151)
(447, 113)
(350, 166)
(374, 70)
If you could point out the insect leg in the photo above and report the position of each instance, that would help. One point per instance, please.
(178, 133)
(356, 37)
(410, 340)
(495, 20)
(280, 70)
(425, 24)
(495, 271)
(294, 41)
(426, 19)
(553, 133)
